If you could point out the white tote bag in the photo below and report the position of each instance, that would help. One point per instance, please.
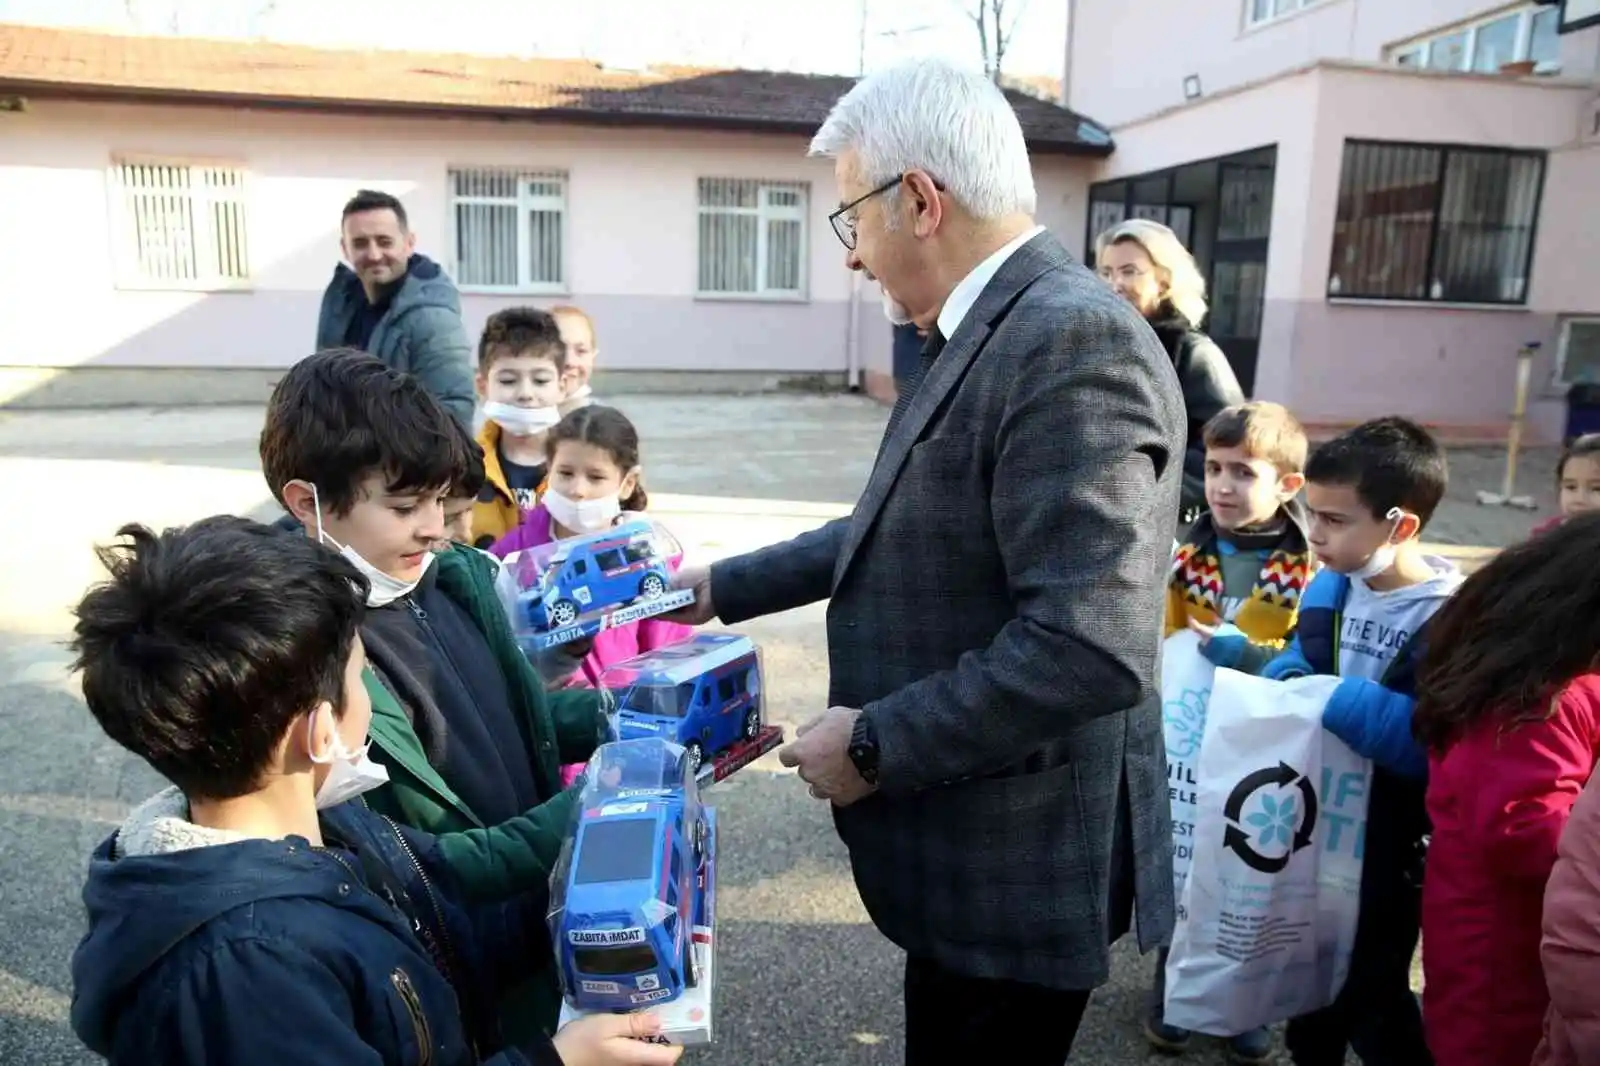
(1273, 893)
(1185, 691)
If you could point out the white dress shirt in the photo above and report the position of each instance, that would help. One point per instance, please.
(967, 291)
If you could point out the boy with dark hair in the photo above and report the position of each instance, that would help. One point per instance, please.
(365, 458)
(248, 914)
(1236, 581)
(1370, 492)
(523, 376)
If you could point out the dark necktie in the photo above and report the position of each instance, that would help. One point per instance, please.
(930, 353)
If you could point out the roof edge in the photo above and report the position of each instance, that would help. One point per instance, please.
(56, 90)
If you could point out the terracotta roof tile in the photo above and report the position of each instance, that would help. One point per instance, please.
(50, 61)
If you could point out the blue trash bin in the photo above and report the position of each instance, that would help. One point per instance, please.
(1583, 409)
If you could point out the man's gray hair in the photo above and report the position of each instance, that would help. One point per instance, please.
(932, 115)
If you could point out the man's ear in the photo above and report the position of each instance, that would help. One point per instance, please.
(300, 501)
(927, 209)
(411, 243)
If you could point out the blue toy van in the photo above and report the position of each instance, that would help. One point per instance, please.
(626, 929)
(597, 572)
(704, 693)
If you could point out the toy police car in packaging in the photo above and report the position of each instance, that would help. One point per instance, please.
(571, 589)
(704, 692)
(631, 898)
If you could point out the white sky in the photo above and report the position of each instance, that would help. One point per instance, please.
(763, 34)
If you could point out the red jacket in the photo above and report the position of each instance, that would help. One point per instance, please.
(1498, 798)
(1571, 947)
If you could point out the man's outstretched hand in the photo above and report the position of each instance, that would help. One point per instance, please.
(702, 610)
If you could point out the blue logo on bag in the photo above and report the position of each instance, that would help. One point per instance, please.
(1279, 825)
(1275, 820)
(1184, 720)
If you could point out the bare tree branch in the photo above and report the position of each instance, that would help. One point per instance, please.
(994, 30)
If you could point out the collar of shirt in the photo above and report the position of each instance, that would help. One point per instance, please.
(966, 293)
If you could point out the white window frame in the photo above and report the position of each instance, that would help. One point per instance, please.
(1422, 47)
(765, 212)
(525, 203)
(1252, 22)
(1560, 378)
(126, 270)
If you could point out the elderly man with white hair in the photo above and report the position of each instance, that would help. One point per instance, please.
(993, 751)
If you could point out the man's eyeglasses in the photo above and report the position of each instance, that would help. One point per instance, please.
(843, 220)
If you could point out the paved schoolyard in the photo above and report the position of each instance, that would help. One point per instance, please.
(803, 979)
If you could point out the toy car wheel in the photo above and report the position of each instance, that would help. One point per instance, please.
(652, 586)
(696, 755)
(752, 723)
(563, 613)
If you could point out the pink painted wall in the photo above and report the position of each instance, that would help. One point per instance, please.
(1128, 60)
(1447, 365)
(631, 217)
(1336, 360)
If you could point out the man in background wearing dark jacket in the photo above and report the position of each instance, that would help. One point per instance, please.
(396, 304)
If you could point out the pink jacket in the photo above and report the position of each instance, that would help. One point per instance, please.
(1499, 799)
(1571, 946)
(611, 646)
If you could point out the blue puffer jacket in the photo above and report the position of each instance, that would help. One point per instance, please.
(206, 948)
(421, 333)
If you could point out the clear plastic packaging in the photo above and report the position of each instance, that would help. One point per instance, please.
(567, 590)
(706, 693)
(631, 895)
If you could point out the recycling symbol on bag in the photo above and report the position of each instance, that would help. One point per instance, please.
(1272, 818)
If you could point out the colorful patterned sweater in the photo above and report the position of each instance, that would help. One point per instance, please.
(1266, 617)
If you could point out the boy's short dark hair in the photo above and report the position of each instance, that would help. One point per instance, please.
(339, 416)
(1390, 462)
(1264, 430)
(474, 476)
(373, 200)
(521, 331)
(207, 641)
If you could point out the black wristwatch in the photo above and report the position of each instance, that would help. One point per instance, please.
(864, 749)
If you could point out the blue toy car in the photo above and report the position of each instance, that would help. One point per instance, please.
(704, 693)
(625, 932)
(598, 572)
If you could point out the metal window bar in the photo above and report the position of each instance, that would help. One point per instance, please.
(1437, 223)
(510, 229)
(181, 225)
(752, 237)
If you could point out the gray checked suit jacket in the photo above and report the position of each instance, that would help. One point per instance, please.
(996, 609)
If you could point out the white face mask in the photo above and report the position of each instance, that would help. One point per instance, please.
(350, 773)
(893, 310)
(1382, 559)
(521, 421)
(582, 392)
(382, 589)
(582, 516)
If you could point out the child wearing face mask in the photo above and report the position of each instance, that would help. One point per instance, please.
(249, 912)
(365, 459)
(594, 480)
(523, 376)
(1369, 494)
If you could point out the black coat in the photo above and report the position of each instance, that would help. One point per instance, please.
(1209, 386)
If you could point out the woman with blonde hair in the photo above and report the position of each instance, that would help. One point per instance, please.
(1150, 268)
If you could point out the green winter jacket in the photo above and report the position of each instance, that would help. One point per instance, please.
(491, 862)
